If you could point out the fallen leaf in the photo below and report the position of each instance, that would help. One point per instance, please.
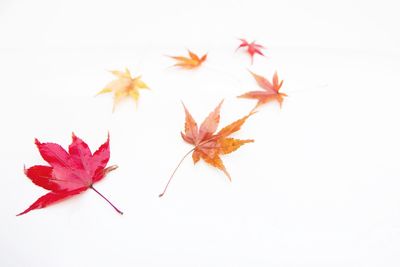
(69, 173)
(191, 62)
(252, 48)
(124, 86)
(209, 145)
(269, 93)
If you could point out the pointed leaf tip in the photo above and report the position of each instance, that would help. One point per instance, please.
(37, 142)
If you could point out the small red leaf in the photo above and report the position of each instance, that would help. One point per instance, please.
(252, 48)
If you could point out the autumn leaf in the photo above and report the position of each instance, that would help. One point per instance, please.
(124, 86)
(252, 48)
(69, 173)
(209, 145)
(191, 62)
(269, 93)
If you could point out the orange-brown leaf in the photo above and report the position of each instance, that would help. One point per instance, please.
(228, 145)
(213, 159)
(210, 124)
(191, 62)
(191, 129)
(193, 135)
(196, 156)
(269, 93)
(264, 83)
(233, 127)
(193, 56)
(207, 145)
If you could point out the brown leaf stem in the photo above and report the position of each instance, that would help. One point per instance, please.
(173, 173)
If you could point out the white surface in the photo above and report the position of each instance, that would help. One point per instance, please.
(319, 187)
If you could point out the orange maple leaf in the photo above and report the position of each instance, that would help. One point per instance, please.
(124, 86)
(270, 92)
(191, 62)
(209, 145)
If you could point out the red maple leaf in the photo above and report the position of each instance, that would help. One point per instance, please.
(270, 90)
(69, 173)
(252, 48)
(209, 145)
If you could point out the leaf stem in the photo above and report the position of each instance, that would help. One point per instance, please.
(110, 169)
(173, 173)
(109, 202)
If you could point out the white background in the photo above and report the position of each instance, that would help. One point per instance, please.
(319, 187)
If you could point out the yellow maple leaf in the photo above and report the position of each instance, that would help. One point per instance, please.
(124, 86)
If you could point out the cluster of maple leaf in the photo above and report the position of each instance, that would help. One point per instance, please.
(76, 170)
